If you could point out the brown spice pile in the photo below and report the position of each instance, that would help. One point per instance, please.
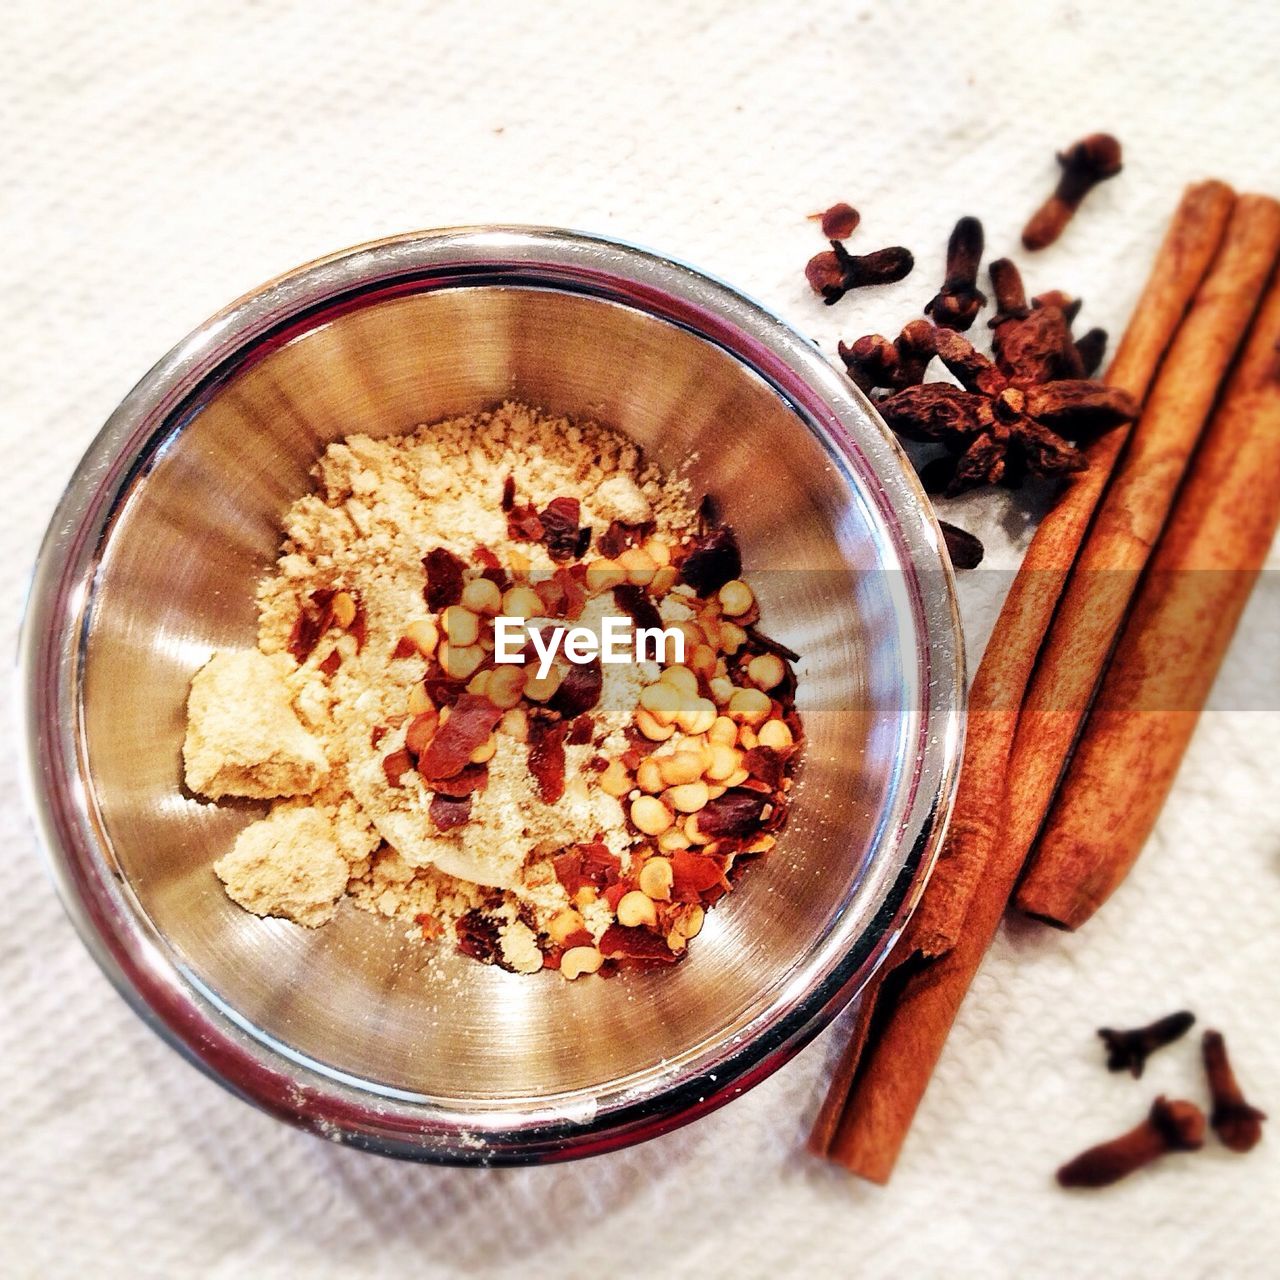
(574, 821)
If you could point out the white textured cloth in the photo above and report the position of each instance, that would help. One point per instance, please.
(161, 158)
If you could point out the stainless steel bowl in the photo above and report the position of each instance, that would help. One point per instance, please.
(150, 563)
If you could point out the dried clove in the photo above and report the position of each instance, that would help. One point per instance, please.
(1010, 295)
(1084, 165)
(839, 222)
(1237, 1124)
(834, 272)
(1069, 306)
(874, 361)
(957, 303)
(1129, 1050)
(1090, 348)
(965, 550)
(1031, 343)
(1169, 1126)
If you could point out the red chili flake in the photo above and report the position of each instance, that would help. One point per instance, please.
(314, 619)
(571, 582)
(581, 546)
(448, 812)
(331, 663)
(551, 958)
(405, 648)
(579, 691)
(578, 938)
(546, 758)
(640, 747)
(634, 944)
(491, 567)
(713, 560)
(599, 865)
(421, 730)
(478, 937)
(508, 493)
(377, 734)
(444, 578)
(736, 813)
(560, 527)
(568, 867)
(551, 593)
(613, 541)
(613, 894)
(443, 690)
(523, 524)
(766, 764)
(694, 874)
(430, 926)
(396, 764)
(618, 537)
(580, 731)
(469, 725)
(633, 601)
(475, 777)
(590, 863)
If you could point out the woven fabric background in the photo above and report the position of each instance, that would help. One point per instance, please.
(160, 158)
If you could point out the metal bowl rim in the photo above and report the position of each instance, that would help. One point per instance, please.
(122, 939)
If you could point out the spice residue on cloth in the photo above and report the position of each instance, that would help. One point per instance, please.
(574, 819)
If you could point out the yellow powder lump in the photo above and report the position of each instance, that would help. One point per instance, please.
(243, 735)
(286, 865)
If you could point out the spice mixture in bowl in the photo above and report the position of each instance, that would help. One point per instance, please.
(296, 775)
(568, 815)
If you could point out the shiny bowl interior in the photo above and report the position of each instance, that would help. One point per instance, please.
(151, 564)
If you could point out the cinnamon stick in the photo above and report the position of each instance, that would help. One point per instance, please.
(1130, 518)
(1172, 646)
(909, 1006)
(996, 696)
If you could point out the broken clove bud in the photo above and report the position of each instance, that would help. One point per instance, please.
(1237, 1124)
(965, 550)
(957, 303)
(1084, 165)
(1129, 1050)
(839, 222)
(1031, 343)
(1169, 1126)
(834, 272)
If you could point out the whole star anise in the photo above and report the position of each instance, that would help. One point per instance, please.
(1000, 426)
